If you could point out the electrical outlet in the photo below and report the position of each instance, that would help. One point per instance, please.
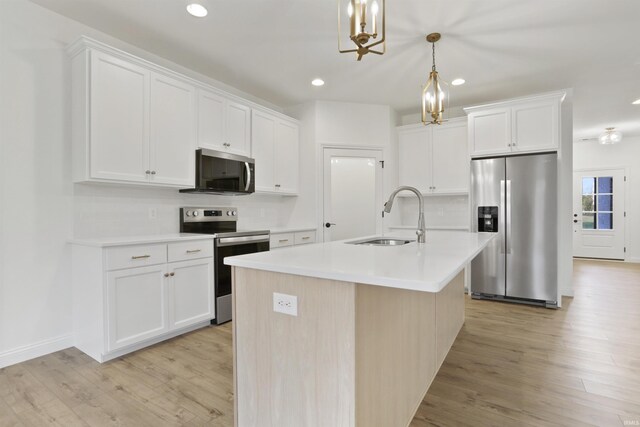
(286, 304)
(153, 213)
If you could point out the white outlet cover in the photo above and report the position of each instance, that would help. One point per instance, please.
(286, 304)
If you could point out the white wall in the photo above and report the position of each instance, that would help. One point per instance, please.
(592, 155)
(40, 208)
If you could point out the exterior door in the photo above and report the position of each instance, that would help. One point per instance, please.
(352, 193)
(598, 214)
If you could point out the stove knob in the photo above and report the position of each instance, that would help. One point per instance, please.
(194, 213)
(229, 213)
(188, 213)
(234, 213)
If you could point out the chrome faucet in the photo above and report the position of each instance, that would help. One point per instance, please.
(421, 231)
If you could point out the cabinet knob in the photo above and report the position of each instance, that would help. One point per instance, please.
(172, 274)
(277, 185)
(153, 172)
(166, 274)
(147, 172)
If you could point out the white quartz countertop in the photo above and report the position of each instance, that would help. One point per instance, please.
(291, 229)
(139, 240)
(426, 267)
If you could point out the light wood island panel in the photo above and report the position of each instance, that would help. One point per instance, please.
(356, 355)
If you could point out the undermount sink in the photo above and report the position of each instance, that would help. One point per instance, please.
(381, 241)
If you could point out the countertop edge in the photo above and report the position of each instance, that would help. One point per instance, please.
(137, 240)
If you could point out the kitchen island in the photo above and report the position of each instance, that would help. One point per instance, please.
(368, 330)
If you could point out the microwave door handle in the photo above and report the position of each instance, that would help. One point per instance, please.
(248, 184)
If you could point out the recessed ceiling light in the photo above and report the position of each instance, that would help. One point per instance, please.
(636, 102)
(317, 82)
(197, 8)
(457, 82)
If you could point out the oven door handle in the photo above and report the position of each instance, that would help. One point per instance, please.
(248, 169)
(230, 241)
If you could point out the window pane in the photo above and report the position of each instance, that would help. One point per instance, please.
(605, 221)
(588, 185)
(605, 184)
(587, 203)
(605, 203)
(588, 222)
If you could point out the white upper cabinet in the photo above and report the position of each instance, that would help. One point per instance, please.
(223, 125)
(131, 124)
(519, 126)
(414, 158)
(172, 131)
(450, 163)
(434, 158)
(118, 128)
(274, 146)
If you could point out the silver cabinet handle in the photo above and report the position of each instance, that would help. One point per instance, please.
(248, 169)
(277, 185)
(193, 251)
(306, 238)
(140, 256)
(283, 240)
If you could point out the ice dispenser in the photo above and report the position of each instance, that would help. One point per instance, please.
(488, 219)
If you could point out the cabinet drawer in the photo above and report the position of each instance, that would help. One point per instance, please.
(181, 251)
(135, 256)
(303, 237)
(281, 240)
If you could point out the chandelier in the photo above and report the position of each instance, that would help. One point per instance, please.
(610, 136)
(364, 21)
(434, 96)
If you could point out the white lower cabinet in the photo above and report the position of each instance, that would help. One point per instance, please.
(118, 307)
(137, 305)
(190, 292)
(292, 238)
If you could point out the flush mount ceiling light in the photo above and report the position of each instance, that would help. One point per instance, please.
(359, 15)
(197, 8)
(636, 102)
(317, 82)
(434, 96)
(458, 82)
(610, 136)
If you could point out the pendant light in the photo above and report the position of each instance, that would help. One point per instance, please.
(610, 136)
(434, 94)
(365, 18)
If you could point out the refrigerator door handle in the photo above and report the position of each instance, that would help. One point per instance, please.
(501, 216)
(508, 216)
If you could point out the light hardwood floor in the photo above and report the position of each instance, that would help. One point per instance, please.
(511, 365)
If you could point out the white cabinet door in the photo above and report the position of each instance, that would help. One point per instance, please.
(286, 157)
(263, 138)
(172, 129)
(414, 155)
(119, 141)
(535, 126)
(238, 128)
(191, 292)
(450, 158)
(490, 131)
(136, 304)
(211, 120)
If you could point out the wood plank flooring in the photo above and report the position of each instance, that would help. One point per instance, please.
(511, 365)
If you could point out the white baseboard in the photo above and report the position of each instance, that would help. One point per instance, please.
(31, 351)
(634, 260)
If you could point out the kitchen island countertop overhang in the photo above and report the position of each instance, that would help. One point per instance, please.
(426, 267)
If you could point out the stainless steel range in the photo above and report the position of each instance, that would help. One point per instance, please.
(222, 223)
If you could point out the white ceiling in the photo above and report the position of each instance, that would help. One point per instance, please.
(503, 48)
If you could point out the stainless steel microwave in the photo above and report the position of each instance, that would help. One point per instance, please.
(218, 172)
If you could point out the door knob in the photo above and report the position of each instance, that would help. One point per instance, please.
(329, 224)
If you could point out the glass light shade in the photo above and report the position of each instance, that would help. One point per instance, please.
(197, 8)
(434, 99)
(610, 136)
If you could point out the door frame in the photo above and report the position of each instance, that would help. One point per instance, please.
(624, 207)
(321, 181)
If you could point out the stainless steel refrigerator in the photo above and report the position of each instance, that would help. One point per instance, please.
(516, 197)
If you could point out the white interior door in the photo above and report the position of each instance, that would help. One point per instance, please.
(352, 193)
(598, 214)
